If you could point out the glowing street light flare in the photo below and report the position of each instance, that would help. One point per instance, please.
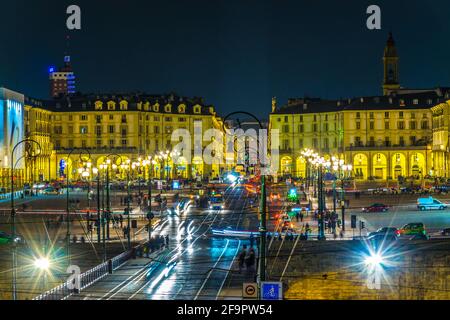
(42, 263)
(375, 259)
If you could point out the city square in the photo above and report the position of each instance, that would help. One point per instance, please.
(110, 192)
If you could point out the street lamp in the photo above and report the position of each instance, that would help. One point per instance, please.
(108, 200)
(96, 173)
(263, 206)
(346, 169)
(320, 164)
(164, 159)
(102, 217)
(13, 216)
(128, 204)
(67, 198)
(150, 162)
(42, 263)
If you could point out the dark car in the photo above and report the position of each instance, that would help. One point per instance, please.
(384, 231)
(376, 207)
(445, 232)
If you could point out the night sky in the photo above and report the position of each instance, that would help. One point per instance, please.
(236, 54)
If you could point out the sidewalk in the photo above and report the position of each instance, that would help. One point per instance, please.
(232, 289)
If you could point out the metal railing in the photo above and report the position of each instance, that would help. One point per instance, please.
(88, 278)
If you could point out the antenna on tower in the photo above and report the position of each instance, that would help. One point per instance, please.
(67, 52)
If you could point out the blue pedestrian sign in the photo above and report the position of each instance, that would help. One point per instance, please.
(271, 291)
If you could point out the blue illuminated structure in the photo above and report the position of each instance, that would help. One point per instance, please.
(271, 291)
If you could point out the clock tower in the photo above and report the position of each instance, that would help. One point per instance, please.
(390, 62)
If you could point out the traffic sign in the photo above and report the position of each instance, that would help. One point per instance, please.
(250, 290)
(353, 221)
(271, 290)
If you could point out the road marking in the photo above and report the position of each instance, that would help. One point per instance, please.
(229, 268)
(211, 270)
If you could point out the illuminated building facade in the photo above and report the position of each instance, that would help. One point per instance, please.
(403, 133)
(131, 126)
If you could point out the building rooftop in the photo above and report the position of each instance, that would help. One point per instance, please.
(86, 102)
(419, 99)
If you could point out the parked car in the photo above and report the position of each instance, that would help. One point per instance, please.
(6, 238)
(49, 191)
(376, 207)
(430, 203)
(384, 231)
(445, 232)
(412, 229)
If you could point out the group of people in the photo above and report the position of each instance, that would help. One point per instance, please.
(247, 259)
(117, 221)
(154, 244)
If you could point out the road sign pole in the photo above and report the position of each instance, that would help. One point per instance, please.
(149, 206)
(263, 231)
(128, 210)
(108, 207)
(98, 209)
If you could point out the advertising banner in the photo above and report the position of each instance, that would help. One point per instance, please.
(12, 127)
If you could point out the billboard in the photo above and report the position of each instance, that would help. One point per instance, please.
(12, 127)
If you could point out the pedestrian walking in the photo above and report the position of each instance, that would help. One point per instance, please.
(301, 217)
(121, 220)
(297, 216)
(241, 257)
(341, 234)
(250, 260)
(166, 239)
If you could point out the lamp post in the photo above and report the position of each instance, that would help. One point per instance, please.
(319, 164)
(346, 169)
(164, 158)
(13, 216)
(150, 164)
(263, 204)
(138, 165)
(67, 199)
(108, 199)
(84, 172)
(96, 172)
(102, 217)
(128, 205)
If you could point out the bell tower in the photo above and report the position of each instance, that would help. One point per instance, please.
(390, 62)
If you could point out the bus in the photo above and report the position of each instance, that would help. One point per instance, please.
(216, 202)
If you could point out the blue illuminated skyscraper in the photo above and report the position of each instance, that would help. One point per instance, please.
(62, 81)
